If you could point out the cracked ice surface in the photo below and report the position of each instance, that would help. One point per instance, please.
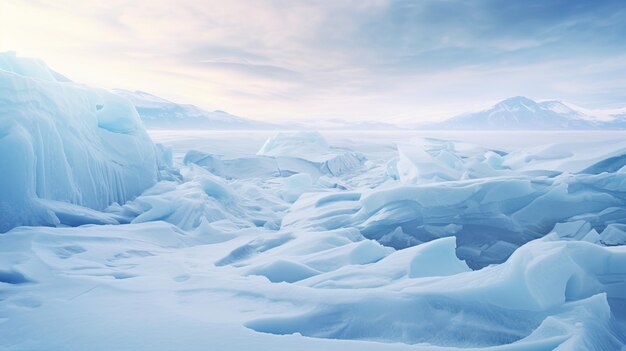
(242, 259)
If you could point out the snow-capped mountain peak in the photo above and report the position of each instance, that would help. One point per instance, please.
(517, 103)
(521, 113)
(558, 107)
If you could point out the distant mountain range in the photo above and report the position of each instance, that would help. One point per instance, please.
(520, 113)
(158, 113)
(516, 113)
(342, 124)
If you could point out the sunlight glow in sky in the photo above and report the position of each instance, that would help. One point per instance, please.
(353, 59)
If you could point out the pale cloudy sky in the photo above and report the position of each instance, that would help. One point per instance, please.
(352, 59)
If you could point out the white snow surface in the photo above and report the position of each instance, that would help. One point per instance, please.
(299, 241)
(65, 142)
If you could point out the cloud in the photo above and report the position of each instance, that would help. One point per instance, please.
(348, 58)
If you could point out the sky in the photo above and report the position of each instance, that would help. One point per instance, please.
(378, 60)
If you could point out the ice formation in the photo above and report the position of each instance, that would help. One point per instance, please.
(298, 144)
(65, 142)
(315, 242)
(283, 155)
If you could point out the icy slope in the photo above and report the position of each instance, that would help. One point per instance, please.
(66, 142)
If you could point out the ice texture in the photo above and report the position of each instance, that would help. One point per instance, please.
(550, 294)
(65, 142)
(282, 155)
(295, 144)
(301, 240)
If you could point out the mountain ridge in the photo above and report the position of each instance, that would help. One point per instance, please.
(160, 113)
(522, 113)
(514, 113)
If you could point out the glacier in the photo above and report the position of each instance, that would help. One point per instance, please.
(65, 142)
(114, 237)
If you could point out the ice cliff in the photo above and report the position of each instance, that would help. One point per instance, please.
(65, 142)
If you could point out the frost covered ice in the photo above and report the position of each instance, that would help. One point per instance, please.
(302, 240)
(64, 142)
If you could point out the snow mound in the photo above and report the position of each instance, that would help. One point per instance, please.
(284, 271)
(433, 259)
(65, 142)
(538, 299)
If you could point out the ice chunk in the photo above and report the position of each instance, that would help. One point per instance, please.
(491, 216)
(26, 66)
(73, 215)
(295, 185)
(437, 258)
(431, 160)
(314, 165)
(614, 234)
(574, 157)
(245, 167)
(573, 230)
(297, 144)
(343, 163)
(415, 165)
(494, 160)
(312, 147)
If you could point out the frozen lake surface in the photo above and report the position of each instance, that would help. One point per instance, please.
(375, 142)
